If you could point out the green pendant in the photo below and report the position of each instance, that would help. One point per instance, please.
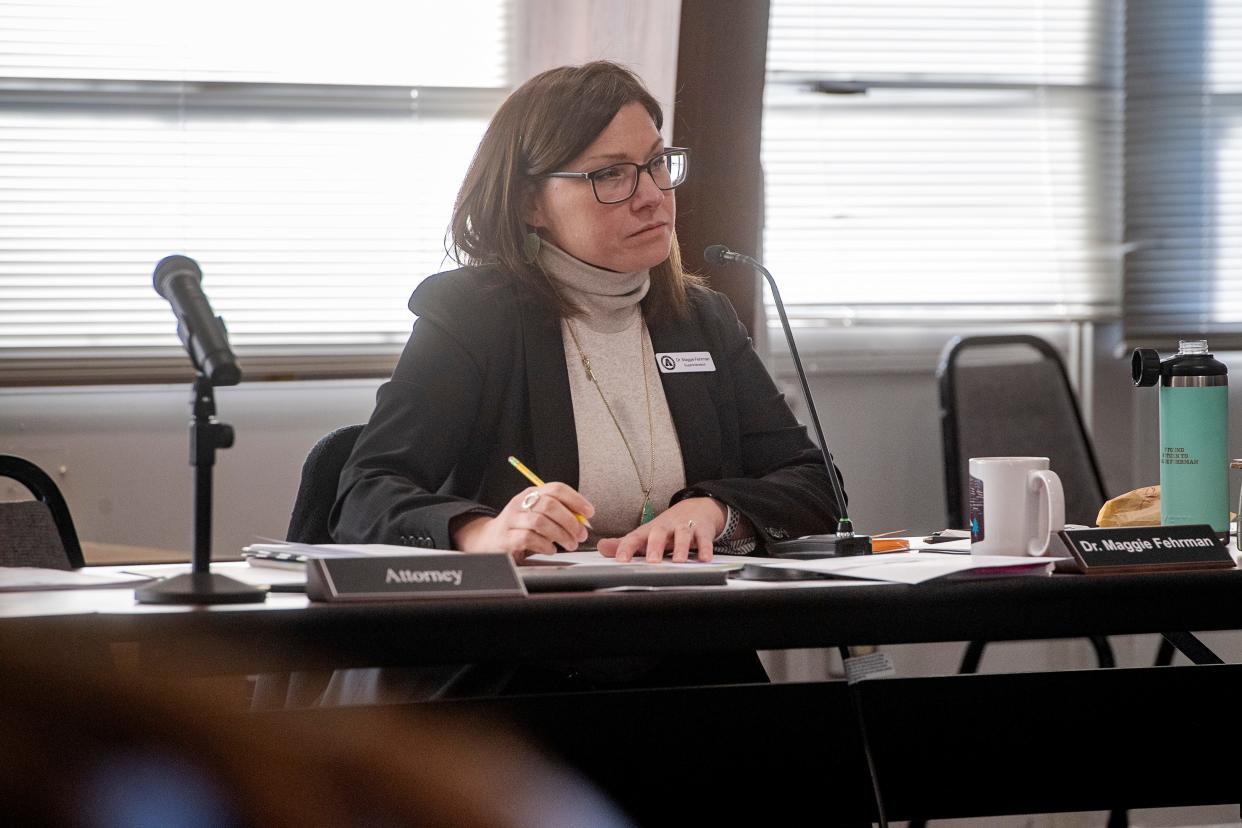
(648, 512)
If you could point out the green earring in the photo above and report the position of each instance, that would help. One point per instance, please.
(530, 247)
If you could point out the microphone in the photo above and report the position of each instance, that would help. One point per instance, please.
(179, 280)
(844, 542)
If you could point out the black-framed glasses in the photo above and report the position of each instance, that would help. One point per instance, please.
(617, 182)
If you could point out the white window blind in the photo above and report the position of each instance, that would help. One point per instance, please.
(307, 155)
(1183, 275)
(956, 157)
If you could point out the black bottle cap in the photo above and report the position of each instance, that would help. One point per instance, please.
(1145, 366)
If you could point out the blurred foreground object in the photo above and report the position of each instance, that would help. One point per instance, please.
(84, 745)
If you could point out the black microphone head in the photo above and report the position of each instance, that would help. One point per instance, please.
(170, 267)
(715, 254)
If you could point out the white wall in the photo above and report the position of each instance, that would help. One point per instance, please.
(121, 455)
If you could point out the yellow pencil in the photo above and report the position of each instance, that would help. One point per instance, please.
(534, 478)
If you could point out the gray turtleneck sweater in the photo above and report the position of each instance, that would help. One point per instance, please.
(611, 332)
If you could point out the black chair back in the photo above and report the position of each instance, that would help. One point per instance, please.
(317, 491)
(36, 532)
(1016, 402)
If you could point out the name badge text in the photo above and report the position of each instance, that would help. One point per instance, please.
(685, 362)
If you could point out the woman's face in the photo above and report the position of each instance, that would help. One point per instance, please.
(633, 235)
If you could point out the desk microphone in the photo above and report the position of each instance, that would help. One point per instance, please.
(179, 280)
(844, 542)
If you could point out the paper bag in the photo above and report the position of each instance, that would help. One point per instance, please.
(1140, 507)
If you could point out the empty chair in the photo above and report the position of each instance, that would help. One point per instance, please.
(317, 489)
(36, 532)
(309, 524)
(1010, 396)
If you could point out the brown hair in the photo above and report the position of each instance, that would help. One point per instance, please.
(80, 737)
(546, 123)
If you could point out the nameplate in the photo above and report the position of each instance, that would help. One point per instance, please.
(412, 577)
(1146, 549)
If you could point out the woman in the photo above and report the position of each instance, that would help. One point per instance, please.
(574, 340)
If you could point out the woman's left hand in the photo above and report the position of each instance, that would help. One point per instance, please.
(693, 522)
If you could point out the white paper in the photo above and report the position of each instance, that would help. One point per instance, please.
(344, 550)
(255, 576)
(593, 557)
(913, 567)
(28, 578)
(813, 583)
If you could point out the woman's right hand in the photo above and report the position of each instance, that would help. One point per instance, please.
(534, 522)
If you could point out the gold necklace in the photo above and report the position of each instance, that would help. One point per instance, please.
(648, 511)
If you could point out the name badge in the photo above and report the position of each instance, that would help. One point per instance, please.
(685, 362)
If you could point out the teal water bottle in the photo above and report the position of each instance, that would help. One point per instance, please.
(1194, 432)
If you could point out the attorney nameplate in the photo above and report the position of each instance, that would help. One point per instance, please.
(412, 577)
(1146, 549)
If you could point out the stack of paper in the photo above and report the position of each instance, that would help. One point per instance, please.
(28, 578)
(295, 555)
(917, 567)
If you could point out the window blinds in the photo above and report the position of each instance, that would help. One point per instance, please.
(306, 155)
(977, 177)
(1183, 274)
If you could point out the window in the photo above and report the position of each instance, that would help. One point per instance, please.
(957, 159)
(307, 155)
(1184, 183)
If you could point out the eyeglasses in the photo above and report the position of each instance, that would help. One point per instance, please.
(617, 182)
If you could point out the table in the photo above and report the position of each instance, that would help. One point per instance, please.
(955, 745)
(700, 620)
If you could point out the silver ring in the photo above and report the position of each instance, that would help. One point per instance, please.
(690, 525)
(530, 500)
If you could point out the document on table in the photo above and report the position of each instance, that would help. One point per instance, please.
(731, 564)
(594, 558)
(30, 578)
(295, 555)
(893, 567)
(255, 576)
(918, 567)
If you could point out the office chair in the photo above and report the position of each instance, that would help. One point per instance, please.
(1018, 407)
(1013, 405)
(308, 523)
(36, 532)
(317, 489)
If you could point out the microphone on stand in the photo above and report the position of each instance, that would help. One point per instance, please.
(179, 280)
(844, 542)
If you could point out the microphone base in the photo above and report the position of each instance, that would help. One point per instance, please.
(811, 547)
(200, 588)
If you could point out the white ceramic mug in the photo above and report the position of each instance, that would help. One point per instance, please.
(1016, 505)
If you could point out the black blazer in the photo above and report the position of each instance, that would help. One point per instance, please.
(483, 377)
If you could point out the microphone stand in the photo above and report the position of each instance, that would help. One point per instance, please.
(844, 542)
(200, 585)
